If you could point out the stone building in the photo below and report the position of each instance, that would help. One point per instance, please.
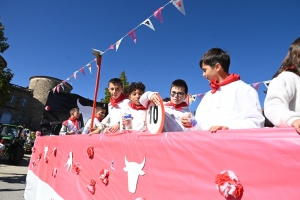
(27, 104)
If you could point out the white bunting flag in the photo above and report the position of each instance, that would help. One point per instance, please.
(118, 44)
(53, 89)
(267, 83)
(90, 67)
(148, 23)
(62, 86)
(68, 79)
(179, 5)
(74, 74)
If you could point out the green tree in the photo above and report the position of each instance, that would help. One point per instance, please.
(5, 73)
(123, 78)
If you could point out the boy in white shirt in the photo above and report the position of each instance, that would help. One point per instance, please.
(175, 108)
(231, 104)
(99, 116)
(71, 126)
(137, 110)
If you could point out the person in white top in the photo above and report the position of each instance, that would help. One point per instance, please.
(174, 109)
(231, 104)
(99, 116)
(72, 125)
(282, 103)
(138, 112)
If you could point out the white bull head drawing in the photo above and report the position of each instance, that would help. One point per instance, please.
(134, 170)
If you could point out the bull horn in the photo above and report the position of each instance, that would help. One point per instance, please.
(126, 162)
(143, 163)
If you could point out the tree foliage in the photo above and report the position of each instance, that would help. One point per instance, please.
(3, 44)
(123, 78)
(5, 77)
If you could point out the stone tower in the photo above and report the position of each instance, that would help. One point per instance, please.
(41, 85)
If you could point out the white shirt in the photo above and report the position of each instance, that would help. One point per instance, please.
(235, 105)
(86, 128)
(138, 117)
(68, 126)
(282, 103)
(116, 113)
(173, 117)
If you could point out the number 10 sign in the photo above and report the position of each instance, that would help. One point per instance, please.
(155, 117)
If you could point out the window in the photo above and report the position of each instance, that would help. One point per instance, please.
(24, 101)
(12, 98)
(6, 117)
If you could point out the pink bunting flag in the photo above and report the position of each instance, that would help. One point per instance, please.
(158, 14)
(200, 96)
(58, 88)
(82, 70)
(53, 89)
(90, 67)
(112, 46)
(64, 82)
(256, 85)
(132, 35)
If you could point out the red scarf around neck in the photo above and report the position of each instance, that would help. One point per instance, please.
(99, 118)
(114, 102)
(176, 106)
(229, 79)
(75, 122)
(136, 107)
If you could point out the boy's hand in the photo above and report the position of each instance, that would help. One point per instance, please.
(296, 125)
(214, 129)
(114, 128)
(94, 131)
(124, 121)
(185, 121)
(70, 133)
(155, 99)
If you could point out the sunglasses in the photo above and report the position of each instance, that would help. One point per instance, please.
(173, 94)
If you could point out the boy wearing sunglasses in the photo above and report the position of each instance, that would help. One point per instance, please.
(174, 109)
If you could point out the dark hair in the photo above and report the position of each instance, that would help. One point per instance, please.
(115, 81)
(180, 83)
(292, 59)
(167, 99)
(98, 108)
(134, 86)
(73, 110)
(214, 56)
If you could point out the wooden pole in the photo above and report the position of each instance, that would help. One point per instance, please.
(98, 61)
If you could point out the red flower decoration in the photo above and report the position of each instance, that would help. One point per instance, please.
(91, 186)
(54, 151)
(90, 151)
(46, 160)
(38, 133)
(33, 164)
(76, 168)
(47, 108)
(229, 184)
(33, 149)
(104, 173)
(54, 172)
(39, 156)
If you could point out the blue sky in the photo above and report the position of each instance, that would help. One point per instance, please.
(54, 38)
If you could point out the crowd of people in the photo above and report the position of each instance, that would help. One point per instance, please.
(230, 104)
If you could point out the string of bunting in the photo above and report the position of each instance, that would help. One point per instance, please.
(157, 14)
(192, 97)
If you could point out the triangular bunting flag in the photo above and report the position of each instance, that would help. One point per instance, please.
(118, 44)
(267, 83)
(158, 15)
(68, 79)
(111, 46)
(148, 23)
(132, 35)
(58, 88)
(192, 98)
(62, 86)
(64, 82)
(256, 85)
(179, 5)
(90, 67)
(74, 75)
(82, 70)
(200, 96)
(53, 89)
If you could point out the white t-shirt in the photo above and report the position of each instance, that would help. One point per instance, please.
(234, 105)
(116, 113)
(86, 128)
(138, 117)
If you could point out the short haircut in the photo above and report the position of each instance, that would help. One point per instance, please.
(73, 110)
(115, 81)
(180, 83)
(167, 99)
(98, 108)
(214, 56)
(134, 86)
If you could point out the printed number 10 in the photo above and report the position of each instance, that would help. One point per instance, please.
(155, 114)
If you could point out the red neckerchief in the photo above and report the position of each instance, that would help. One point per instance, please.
(136, 107)
(229, 79)
(99, 118)
(176, 106)
(75, 122)
(114, 102)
